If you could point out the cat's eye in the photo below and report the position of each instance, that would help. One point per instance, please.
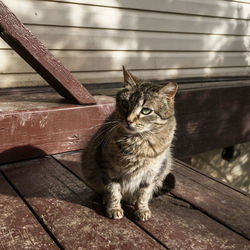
(125, 104)
(146, 111)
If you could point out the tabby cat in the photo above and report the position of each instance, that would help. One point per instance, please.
(129, 157)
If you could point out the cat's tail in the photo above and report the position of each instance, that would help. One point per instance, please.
(168, 185)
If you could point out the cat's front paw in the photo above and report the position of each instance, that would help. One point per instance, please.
(116, 213)
(143, 214)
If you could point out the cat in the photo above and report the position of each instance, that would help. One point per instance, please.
(130, 155)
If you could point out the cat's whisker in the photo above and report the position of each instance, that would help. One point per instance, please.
(101, 124)
(106, 132)
(93, 127)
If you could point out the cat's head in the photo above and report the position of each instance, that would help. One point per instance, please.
(143, 106)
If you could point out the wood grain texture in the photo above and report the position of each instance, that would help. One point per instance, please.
(19, 229)
(176, 223)
(40, 125)
(31, 50)
(226, 205)
(70, 210)
(211, 118)
(179, 226)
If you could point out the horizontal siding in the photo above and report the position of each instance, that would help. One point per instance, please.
(67, 38)
(160, 39)
(64, 14)
(217, 8)
(113, 60)
(31, 79)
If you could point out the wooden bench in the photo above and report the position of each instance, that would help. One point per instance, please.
(208, 117)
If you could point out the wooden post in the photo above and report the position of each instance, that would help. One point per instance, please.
(39, 58)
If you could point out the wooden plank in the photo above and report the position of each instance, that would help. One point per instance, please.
(211, 118)
(42, 126)
(29, 48)
(75, 38)
(66, 14)
(179, 226)
(175, 222)
(78, 61)
(70, 210)
(19, 229)
(33, 79)
(217, 8)
(222, 203)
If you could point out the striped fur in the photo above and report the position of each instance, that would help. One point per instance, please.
(130, 155)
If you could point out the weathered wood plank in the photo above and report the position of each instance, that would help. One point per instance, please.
(34, 53)
(180, 226)
(224, 204)
(42, 126)
(211, 118)
(19, 229)
(175, 222)
(70, 210)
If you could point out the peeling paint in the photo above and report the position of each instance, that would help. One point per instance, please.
(44, 121)
(24, 118)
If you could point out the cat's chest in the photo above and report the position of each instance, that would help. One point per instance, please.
(133, 158)
(145, 172)
(139, 147)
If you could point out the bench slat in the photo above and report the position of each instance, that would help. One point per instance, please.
(18, 226)
(219, 201)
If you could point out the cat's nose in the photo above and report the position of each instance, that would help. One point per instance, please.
(129, 122)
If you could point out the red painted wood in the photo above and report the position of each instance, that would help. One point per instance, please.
(180, 226)
(211, 118)
(39, 58)
(71, 211)
(206, 119)
(19, 229)
(42, 126)
(223, 203)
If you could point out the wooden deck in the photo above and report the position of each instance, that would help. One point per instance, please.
(45, 205)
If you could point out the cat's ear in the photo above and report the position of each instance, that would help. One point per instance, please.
(169, 89)
(129, 79)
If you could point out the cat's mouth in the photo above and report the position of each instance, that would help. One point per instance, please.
(133, 129)
(130, 128)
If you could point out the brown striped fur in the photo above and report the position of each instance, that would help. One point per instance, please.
(129, 157)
